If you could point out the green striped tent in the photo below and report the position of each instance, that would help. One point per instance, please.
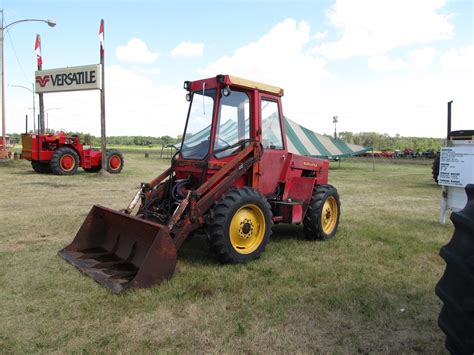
(303, 141)
(300, 139)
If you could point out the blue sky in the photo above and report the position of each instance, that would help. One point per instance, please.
(380, 65)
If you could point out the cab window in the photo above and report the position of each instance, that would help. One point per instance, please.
(233, 123)
(271, 128)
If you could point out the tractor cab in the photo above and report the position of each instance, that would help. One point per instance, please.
(227, 114)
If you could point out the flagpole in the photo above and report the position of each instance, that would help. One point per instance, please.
(39, 58)
(102, 102)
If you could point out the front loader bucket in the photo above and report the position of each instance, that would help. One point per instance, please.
(120, 251)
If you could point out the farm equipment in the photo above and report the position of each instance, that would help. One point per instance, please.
(5, 150)
(232, 179)
(62, 155)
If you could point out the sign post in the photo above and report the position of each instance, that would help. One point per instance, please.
(87, 77)
(39, 59)
(103, 141)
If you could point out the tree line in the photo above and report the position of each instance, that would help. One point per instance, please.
(384, 141)
(375, 140)
(142, 141)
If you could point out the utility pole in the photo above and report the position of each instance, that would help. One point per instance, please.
(335, 120)
(41, 130)
(103, 170)
(3, 27)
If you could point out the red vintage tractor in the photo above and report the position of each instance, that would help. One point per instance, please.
(62, 155)
(232, 179)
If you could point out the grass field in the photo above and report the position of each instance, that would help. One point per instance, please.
(369, 290)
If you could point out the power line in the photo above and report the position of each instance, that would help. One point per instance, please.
(16, 56)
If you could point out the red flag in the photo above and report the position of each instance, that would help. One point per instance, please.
(101, 38)
(39, 58)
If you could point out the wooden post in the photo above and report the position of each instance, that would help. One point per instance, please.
(373, 159)
(41, 125)
(103, 140)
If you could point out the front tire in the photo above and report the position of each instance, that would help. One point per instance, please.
(322, 217)
(115, 161)
(65, 161)
(240, 226)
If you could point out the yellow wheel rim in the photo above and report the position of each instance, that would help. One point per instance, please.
(329, 215)
(247, 229)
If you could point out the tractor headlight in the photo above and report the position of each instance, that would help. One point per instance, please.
(226, 91)
(188, 97)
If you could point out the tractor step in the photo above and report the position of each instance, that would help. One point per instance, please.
(287, 212)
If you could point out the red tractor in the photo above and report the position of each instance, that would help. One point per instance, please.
(233, 178)
(62, 155)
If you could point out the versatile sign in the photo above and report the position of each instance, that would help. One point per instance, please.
(87, 77)
(456, 166)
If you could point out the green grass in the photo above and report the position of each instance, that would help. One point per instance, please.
(341, 296)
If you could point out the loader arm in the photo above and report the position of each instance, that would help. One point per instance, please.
(207, 194)
(121, 251)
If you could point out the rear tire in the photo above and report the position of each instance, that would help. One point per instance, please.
(456, 286)
(40, 167)
(435, 168)
(240, 226)
(65, 161)
(115, 161)
(322, 217)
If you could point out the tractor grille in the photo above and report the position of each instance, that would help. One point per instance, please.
(26, 141)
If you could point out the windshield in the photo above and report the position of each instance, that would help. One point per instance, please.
(198, 129)
(233, 123)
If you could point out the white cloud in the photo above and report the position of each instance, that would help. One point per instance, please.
(411, 103)
(135, 105)
(188, 50)
(422, 57)
(136, 51)
(459, 59)
(278, 57)
(384, 63)
(146, 70)
(373, 27)
(320, 35)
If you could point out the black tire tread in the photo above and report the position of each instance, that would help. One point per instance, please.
(54, 163)
(41, 167)
(111, 152)
(217, 224)
(456, 286)
(311, 223)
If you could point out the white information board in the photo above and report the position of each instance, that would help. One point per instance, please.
(86, 77)
(456, 166)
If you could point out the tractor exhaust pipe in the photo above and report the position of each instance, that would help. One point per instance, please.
(448, 136)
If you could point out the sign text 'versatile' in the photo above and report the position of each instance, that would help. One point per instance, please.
(68, 79)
